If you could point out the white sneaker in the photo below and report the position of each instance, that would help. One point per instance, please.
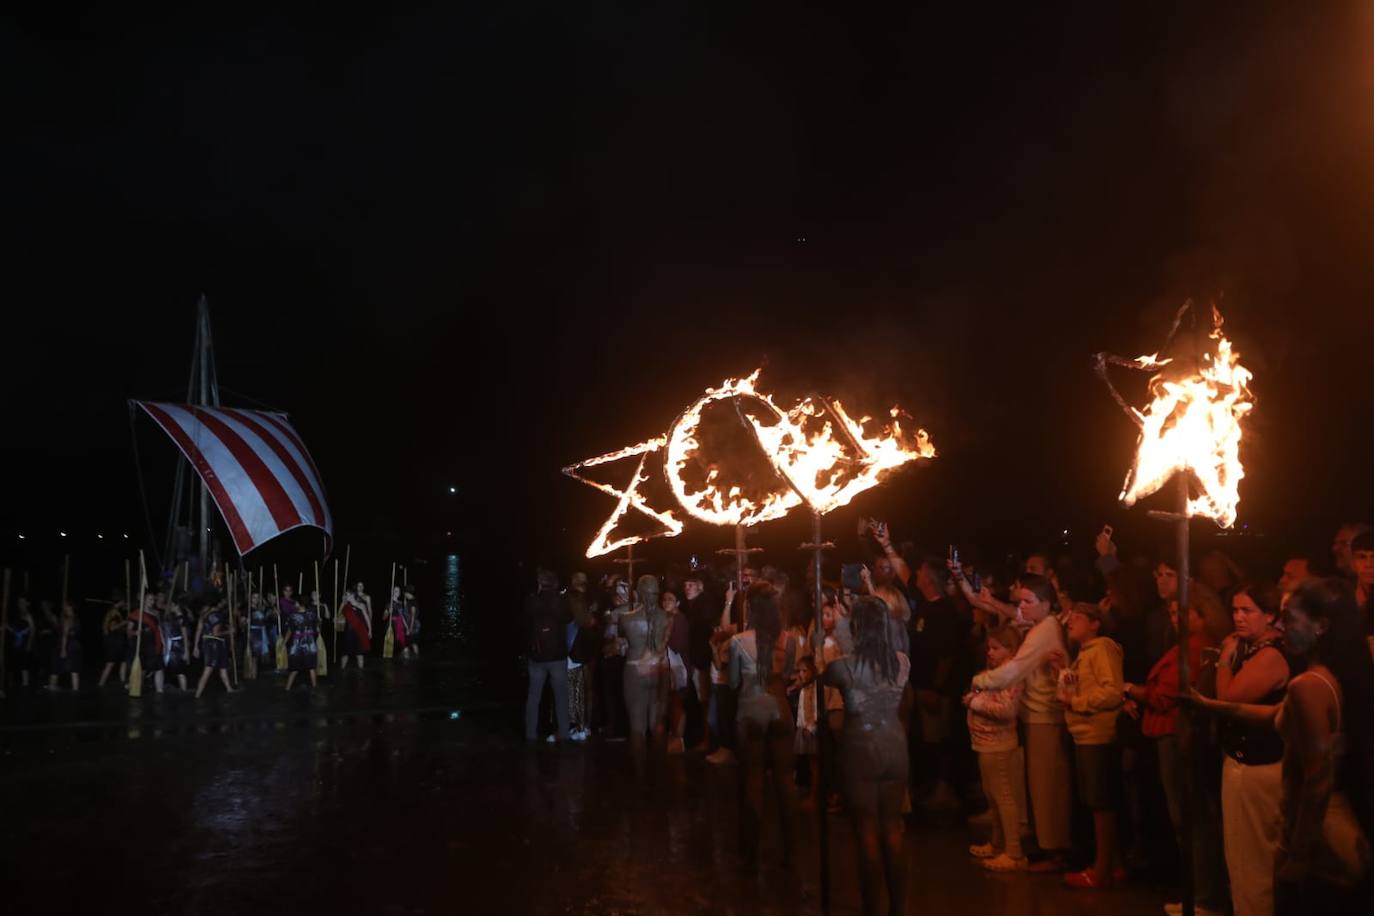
(578, 736)
(551, 739)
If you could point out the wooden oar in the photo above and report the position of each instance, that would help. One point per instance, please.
(4, 628)
(281, 636)
(389, 639)
(338, 611)
(233, 660)
(250, 661)
(321, 653)
(136, 669)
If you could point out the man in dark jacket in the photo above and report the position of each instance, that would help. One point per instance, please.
(547, 614)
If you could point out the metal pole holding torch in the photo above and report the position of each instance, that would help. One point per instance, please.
(629, 563)
(818, 549)
(1184, 724)
(741, 554)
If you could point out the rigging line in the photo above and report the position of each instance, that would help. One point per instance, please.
(143, 494)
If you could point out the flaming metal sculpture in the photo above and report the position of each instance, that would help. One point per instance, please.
(1190, 431)
(823, 456)
(1192, 425)
(626, 499)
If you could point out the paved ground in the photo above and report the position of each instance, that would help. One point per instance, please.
(405, 789)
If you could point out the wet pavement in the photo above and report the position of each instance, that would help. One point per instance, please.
(406, 788)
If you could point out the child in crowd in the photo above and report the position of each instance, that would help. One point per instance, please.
(992, 716)
(1091, 692)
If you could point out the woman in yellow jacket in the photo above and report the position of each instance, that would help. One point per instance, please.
(1091, 691)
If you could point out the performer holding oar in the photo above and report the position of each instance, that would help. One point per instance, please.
(302, 627)
(281, 634)
(212, 639)
(321, 611)
(357, 614)
(388, 620)
(144, 624)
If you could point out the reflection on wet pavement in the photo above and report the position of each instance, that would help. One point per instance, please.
(369, 796)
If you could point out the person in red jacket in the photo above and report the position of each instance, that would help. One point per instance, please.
(1156, 704)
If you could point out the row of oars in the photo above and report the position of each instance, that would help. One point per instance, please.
(232, 583)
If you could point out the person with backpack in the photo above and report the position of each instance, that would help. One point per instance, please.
(584, 648)
(547, 615)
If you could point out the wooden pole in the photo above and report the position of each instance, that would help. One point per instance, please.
(4, 628)
(321, 653)
(1185, 737)
(136, 669)
(250, 662)
(338, 611)
(233, 630)
(818, 548)
(280, 647)
(389, 637)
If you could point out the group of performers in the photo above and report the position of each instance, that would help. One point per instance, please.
(173, 632)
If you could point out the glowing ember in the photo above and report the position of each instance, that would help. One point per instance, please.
(1193, 424)
(627, 499)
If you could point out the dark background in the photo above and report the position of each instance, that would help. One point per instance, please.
(467, 247)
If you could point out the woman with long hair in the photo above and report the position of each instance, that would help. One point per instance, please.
(645, 630)
(874, 767)
(762, 659)
(1254, 668)
(1325, 721)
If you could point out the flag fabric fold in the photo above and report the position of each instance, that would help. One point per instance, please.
(255, 466)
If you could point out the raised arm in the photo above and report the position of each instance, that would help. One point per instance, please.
(884, 539)
(1034, 652)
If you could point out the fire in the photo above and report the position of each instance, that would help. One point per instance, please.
(1193, 424)
(713, 504)
(627, 499)
(820, 453)
(825, 456)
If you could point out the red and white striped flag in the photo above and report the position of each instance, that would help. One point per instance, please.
(255, 466)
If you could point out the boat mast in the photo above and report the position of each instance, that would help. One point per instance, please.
(206, 382)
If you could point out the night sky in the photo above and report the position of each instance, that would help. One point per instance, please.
(468, 247)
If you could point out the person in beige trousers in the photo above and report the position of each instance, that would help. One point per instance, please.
(1036, 666)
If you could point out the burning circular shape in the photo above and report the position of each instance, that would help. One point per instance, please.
(712, 504)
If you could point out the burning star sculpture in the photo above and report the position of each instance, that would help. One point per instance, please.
(822, 457)
(1199, 398)
(626, 499)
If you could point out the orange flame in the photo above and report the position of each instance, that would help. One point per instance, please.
(823, 468)
(629, 498)
(1193, 424)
